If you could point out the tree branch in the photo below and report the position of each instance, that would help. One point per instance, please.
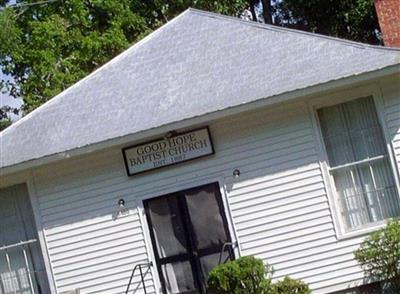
(267, 11)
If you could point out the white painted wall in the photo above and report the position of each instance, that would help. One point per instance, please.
(391, 97)
(279, 205)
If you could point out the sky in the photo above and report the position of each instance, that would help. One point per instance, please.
(7, 100)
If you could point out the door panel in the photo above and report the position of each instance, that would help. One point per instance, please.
(167, 226)
(205, 216)
(208, 262)
(179, 278)
(188, 230)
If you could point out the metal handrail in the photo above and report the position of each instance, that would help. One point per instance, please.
(149, 264)
(232, 244)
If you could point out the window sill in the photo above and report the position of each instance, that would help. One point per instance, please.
(362, 231)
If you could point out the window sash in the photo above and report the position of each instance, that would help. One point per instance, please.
(357, 163)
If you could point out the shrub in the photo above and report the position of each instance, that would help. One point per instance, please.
(244, 275)
(248, 275)
(379, 255)
(291, 286)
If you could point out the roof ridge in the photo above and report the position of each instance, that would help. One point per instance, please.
(289, 30)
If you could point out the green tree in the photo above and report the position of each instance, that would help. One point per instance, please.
(246, 275)
(379, 255)
(349, 19)
(291, 286)
(249, 275)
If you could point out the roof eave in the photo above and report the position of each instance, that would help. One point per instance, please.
(262, 102)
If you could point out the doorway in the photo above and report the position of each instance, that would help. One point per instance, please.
(188, 230)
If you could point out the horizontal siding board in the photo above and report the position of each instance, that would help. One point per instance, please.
(306, 186)
(248, 221)
(267, 249)
(326, 239)
(92, 225)
(120, 275)
(280, 223)
(336, 283)
(270, 204)
(277, 180)
(70, 251)
(103, 239)
(124, 248)
(91, 271)
(97, 235)
(285, 230)
(119, 286)
(316, 251)
(292, 236)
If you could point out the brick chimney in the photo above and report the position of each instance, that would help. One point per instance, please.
(388, 12)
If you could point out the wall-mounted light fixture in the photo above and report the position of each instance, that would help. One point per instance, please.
(236, 173)
(121, 209)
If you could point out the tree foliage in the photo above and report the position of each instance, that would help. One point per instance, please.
(249, 275)
(291, 286)
(46, 46)
(379, 255)
(246, 275)
(349, 19)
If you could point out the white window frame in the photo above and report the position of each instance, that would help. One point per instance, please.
(314, 104)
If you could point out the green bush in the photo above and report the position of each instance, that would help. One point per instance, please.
(248, 275)
(379, 255)
(291, 286)
(244, 275)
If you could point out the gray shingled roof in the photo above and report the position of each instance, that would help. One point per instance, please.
(196, 64)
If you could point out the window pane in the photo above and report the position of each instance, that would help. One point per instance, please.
(351, 131)
(18, 277)
(178, 277)
(367, 193)
(335, 135)
(167, 224)
(365, 131)
(206, 217)
(208, 262)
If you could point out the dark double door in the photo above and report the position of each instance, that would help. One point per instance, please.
(188, 230)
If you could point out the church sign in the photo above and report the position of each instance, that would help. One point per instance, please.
(167, 151)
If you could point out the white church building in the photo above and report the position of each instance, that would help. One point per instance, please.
(212, 138)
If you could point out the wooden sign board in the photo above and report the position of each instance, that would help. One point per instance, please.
(167, 151)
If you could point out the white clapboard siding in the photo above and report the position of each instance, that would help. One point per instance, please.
(391, 97)
(279, 205)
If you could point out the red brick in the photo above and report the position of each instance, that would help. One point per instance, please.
(389, 21)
